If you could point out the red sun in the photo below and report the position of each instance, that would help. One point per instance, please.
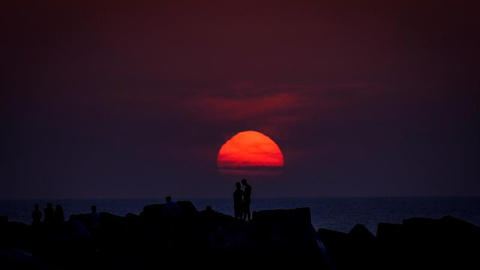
(250, 152)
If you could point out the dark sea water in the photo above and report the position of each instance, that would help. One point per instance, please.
(333, 213)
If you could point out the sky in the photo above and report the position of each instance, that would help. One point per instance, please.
(134, 99)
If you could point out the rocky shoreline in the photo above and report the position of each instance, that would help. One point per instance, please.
(206, 238)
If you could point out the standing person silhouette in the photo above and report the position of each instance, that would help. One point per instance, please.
(247, 200)
(36, 215)
(49, 214)
(94, 218)
(238, 201)
(172, 214)
(93, 226)
(59, 214)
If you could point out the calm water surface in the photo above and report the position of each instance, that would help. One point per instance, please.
(339, 214)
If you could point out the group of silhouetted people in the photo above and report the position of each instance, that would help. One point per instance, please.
(56, 216)
(242, 198)
(49, 215)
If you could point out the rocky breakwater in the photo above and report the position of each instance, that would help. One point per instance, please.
(273, 238)
(416, 243)
(149, 240)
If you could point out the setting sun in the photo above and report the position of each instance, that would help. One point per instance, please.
(250, 151)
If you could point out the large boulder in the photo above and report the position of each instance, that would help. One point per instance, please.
(287, 237)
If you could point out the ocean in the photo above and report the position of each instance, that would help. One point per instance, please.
(334, 213)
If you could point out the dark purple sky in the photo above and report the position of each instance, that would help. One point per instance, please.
(134, 99)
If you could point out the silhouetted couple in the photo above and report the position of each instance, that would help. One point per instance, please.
(242, 199)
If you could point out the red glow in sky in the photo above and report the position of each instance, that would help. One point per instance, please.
(126, 99)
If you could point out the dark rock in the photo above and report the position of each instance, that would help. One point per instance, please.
(287, 237)
(336, 246)
(353, 250)
(273, 238)
(187, 208)
(3, 219)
